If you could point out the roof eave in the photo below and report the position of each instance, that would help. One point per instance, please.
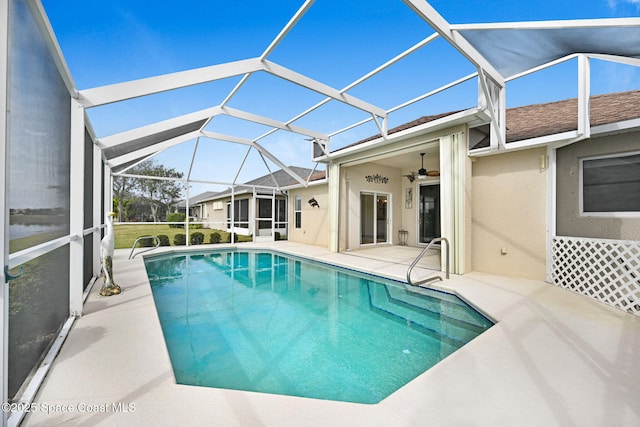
(309, 184)
(472, 117)
(616, 127)
(561, 139)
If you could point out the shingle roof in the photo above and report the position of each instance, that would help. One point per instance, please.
(422, 120)
(532, 121)
(537, 120)
(282, 178)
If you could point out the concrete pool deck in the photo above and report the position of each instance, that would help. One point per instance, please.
(553, 359)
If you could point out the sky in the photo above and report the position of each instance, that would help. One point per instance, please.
(336, 42)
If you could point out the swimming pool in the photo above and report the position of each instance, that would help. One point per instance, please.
(267, 322)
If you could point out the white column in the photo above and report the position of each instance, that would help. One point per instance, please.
(76, 211)
(454, 190)
(447, 203)
(273, 214)
(551, 207)
(97, 207)
(186, 217)
(334, 206)
(461, 247)
(232, 213)
(107, 182)
(584, 92)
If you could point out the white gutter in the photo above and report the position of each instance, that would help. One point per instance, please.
(559, 140)
(463, 117)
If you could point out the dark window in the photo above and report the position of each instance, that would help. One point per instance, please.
(240, 213)
(611, 184)
(298, 211)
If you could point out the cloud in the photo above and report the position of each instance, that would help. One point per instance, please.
(613, 4)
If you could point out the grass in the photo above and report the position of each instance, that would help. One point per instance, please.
(21, 243)
(126, 234)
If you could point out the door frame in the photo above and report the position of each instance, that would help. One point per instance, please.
(256, 219)
(438, 211)
(375, 225)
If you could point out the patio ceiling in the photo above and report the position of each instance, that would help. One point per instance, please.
(497, 52)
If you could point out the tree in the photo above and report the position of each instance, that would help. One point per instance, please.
(158, 192)
(123, 194)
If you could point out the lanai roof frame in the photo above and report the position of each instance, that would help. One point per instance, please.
(80, 123)
(463, 37)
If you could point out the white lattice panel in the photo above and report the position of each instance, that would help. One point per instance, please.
(606, 270)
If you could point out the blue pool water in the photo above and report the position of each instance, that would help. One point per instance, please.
(266, 322)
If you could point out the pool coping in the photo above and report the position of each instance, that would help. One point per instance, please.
(552, 358)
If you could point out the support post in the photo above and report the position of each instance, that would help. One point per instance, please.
(232, 213)
(584, 92)
(186, 217)
(334, 206)
(98, 177)
(447, 194)
(76, 211)
(454, 190)
(551, 207)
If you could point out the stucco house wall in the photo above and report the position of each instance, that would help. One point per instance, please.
(315, 226)
(214, 218)
(509, 214)
(355, 178)
(569, 221)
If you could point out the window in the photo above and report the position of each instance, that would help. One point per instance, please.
(240, 214)
(297, 210)
(610, 185)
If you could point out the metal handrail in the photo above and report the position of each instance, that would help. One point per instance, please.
(419, 257)
(133, 248)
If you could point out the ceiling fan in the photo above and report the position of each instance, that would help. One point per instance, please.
(422, 172)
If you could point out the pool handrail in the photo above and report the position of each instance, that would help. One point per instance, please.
(133, 248)
(419, 257)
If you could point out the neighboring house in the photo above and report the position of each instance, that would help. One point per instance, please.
(503, 210)
(258, 207)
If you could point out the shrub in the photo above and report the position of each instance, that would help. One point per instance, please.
(214, 238)
(197, 238)
(195, 226)
(180, 239)
(146, 243)
(176, 217)
(164, 240)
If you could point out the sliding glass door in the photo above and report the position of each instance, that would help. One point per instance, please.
(374, 222)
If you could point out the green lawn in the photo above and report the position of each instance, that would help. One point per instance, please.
(126, 234)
